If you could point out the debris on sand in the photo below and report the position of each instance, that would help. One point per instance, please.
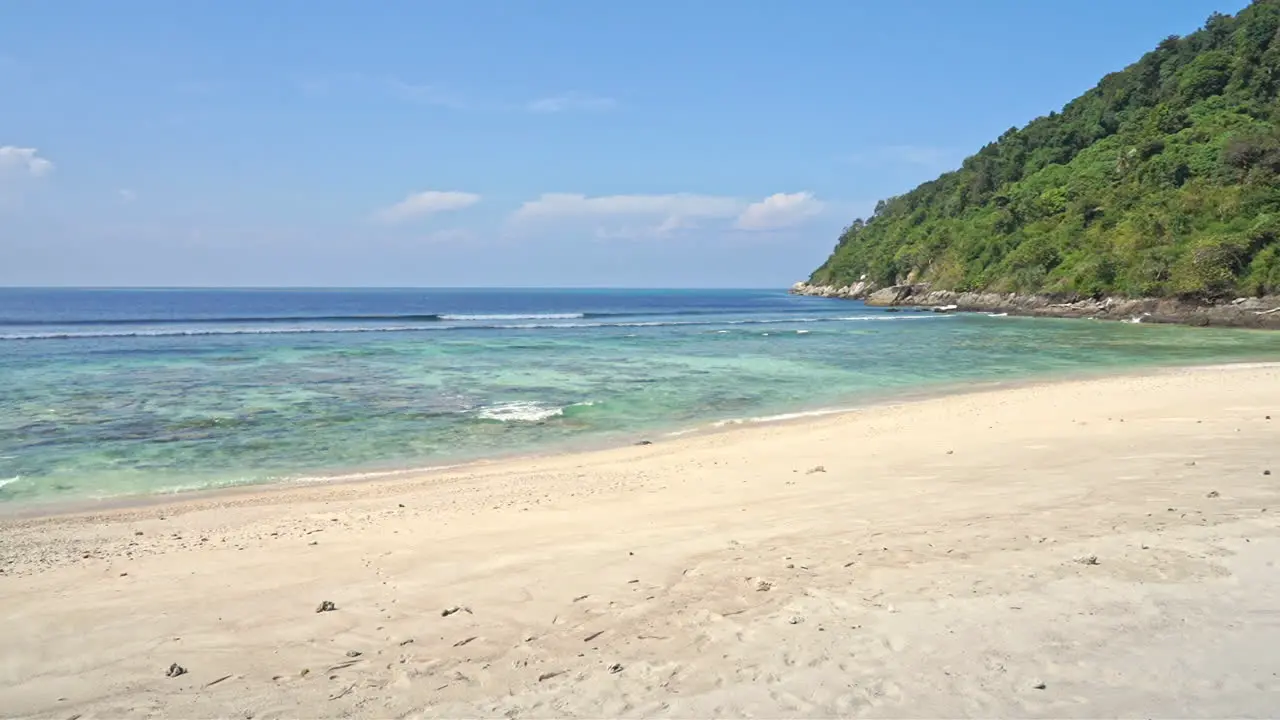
(1039, 686)
(455, 609)
(1087, 559)
(645, 442)
(549, 675)
(354, 653)
(1212, 494)
(762, 585)
(615, 668)
(175, 670)
(815, 469)
(326, 606)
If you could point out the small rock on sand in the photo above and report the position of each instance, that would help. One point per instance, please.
(455, 609)
(615, 668)
(1040, 686)
(1212, 494)
(1087, 559)
(175, 670)
(354, 653)
(1266, 472)
(762, 585)
(645, 442)
(326, 606)
(815, 469)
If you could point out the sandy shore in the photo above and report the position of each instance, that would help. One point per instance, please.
(1083, 549)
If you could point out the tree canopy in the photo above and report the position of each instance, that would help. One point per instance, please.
(1161, 181)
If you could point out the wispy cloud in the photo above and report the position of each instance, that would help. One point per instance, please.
(633, 215)
(422, 94)
(387, 86)
(779, 210)
(571, 102)
(661, 213)
(23, 162)
(126, 195)
(428, 202)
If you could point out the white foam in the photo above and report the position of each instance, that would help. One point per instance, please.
(368, 475)
(519, 411)
(10, 481)
(802, 332)
(779, 418)
(437, 327)
(516, 316)
(1222, 367)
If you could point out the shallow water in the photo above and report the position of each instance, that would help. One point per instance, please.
(110, 392)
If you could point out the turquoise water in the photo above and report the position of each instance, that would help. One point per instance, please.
(110, 393)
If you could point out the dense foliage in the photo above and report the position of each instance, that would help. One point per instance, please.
(1163, 180)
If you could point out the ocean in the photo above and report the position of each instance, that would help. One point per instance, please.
(112, 393)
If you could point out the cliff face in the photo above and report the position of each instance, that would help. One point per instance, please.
(1163, 181)
(1261, 313)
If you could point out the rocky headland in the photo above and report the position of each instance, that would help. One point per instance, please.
(1262, 313)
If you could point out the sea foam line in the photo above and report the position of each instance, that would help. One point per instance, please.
(439, 327)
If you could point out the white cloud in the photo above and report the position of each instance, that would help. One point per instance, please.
(23, 162)
(426, 203)
(636, 215)
(660, 213)
(778, 211)
(570, 102)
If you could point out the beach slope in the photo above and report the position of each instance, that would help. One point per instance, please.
(1076, 549)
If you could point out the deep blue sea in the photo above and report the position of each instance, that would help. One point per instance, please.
(107, 393)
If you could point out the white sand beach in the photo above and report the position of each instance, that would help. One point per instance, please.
(1080, 549)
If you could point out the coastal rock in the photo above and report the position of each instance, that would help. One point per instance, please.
(1261, 313)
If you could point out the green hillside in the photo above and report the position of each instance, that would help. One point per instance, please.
(1163, 180)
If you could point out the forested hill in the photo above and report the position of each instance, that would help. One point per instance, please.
(1161, 181)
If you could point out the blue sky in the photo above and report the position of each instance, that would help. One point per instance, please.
(507, 143)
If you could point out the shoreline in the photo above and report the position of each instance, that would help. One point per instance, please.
(273, 492)
(1069, 549)
(1245, 313)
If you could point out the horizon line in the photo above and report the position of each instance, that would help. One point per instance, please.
(382, 287)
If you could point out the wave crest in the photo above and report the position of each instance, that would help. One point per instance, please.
(519, 411)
